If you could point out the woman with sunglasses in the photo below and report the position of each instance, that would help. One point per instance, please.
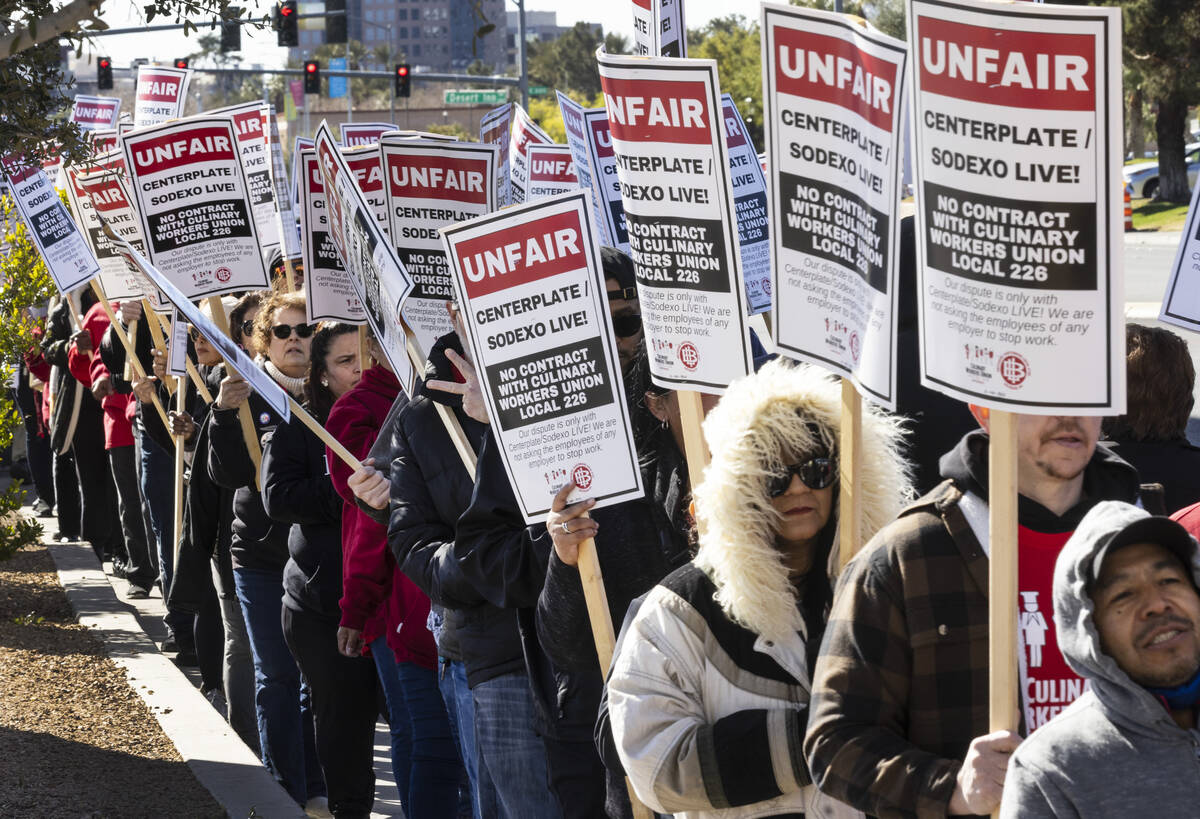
(297, 491)
(259, 546)
(709, 688)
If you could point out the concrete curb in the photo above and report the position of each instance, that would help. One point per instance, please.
(217, 757)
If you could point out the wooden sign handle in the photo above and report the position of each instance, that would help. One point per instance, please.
(249, 432)
(849, 470)
(180, 406)
(1003, 682)
(691, 418)
(131, 358)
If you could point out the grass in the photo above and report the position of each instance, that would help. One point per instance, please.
(1163, 216)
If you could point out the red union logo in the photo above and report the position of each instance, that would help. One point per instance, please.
(855, 346)
(223, 274)
(582, 475)
(689, 355)
(1014, 369)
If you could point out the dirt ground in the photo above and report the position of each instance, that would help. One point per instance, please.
(75, 740)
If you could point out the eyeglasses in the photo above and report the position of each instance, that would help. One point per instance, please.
(284, 331)
(627, 324)
(815, 473)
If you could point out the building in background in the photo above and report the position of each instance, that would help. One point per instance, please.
(433, 35)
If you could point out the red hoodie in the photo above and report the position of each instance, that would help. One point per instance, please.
(118, 431)
(376, 596)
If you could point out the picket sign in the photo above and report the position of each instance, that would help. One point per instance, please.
(130, 355)
(249, 433)
(180, 406)
(1003, 677)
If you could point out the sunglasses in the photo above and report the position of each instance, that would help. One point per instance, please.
(623, 294)
(248, 327)
(626, 325)
(815, 473)
(284, 331)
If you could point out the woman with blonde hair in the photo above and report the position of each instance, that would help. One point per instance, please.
(709, 690)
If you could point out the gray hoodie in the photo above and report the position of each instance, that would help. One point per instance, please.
(1115, 751)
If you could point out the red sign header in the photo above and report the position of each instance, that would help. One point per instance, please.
(438, 177)
(522, 254)
(657, 111)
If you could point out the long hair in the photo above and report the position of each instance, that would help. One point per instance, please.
(319, 397)
(1161, 377)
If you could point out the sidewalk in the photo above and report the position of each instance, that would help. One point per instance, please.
(131, 631)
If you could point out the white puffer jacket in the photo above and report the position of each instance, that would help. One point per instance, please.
(708, 694)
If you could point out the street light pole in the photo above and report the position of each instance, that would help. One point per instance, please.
(349, 105)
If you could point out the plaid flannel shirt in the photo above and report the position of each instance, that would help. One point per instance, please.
(901, 686)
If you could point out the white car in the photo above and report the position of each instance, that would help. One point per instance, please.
(1143, 176)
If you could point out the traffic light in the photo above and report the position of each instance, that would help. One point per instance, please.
(181, 62)
(231, 32)
(287, 23)
(335, 24)
(104, 74)
(312, 77)
(403, 81)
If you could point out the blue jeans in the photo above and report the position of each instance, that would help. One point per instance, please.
(510, 749)
(398, 723)
(285, 723)
(158, 490)
(452, 681)
(436, 768)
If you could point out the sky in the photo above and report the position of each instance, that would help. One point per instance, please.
(259, 46)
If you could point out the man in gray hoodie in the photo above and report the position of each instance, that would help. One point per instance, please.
(1128, 615)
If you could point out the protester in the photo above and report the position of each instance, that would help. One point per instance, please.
(1128, 610)
(259, 548)
(208, 531)
(712, 679)
(135, 563)
(297, 491)
(63, 406)
(372, 596)
(1152, 434)
(887, 733)
(429, 490)
(624, 308)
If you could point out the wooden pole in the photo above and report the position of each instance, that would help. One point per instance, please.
(127, 372)
(131, 358)
(326, 438)
(1003, 682)
(364, 347)
(249, 432)
(180, 406)
(691, 417)
(289, 273)
(156, 330)
(849, 470)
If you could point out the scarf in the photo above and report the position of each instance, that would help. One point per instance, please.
(295, 386)
(1180, 697)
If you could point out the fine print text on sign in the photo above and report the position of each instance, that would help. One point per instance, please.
(251, 121)
(118, 280)
(750, 202)
(672, 162)
(431, 185)
(532, 293)
(193, 202)
(524, 133)
(834, 109)
(1016, 125)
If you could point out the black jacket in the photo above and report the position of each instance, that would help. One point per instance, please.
(430, 490)
(55, 345)
(258, 542)
(1174, 464)
(297, 490)
(638, 544)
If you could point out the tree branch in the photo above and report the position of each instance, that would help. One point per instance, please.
(53, 25)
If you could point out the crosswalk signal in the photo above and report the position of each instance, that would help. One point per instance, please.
(181, 62)
(403, 81)
(312, 77)
(287, 23)
(104, 80)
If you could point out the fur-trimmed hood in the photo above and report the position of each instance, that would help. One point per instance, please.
(784, 407)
